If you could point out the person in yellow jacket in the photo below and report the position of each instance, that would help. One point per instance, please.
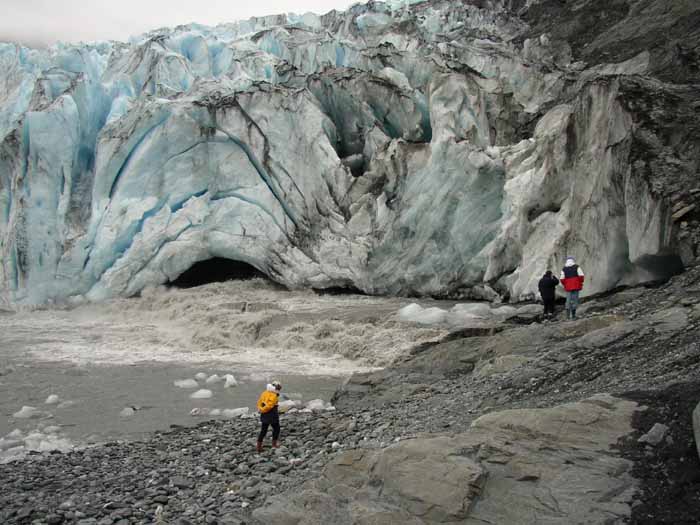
(269, 414)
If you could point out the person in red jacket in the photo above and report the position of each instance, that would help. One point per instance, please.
(572, 280)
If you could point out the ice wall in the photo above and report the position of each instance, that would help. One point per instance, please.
(403, 148)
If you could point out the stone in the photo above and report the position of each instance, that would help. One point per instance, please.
(678, 215)
(670, 321)
(500, 365)
(251, 492)
(656, 435)
(609, 335)
(182, 482)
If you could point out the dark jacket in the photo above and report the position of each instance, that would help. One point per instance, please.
(547, 286)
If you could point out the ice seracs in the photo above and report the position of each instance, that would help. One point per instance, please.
(397, 148)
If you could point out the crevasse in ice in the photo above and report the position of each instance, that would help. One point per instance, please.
(381, 148)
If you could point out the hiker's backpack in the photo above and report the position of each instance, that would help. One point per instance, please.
(267, 401)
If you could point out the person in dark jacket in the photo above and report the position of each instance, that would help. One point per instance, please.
(547, 286)
(572, 279)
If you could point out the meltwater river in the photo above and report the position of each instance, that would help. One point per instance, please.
(98, 359)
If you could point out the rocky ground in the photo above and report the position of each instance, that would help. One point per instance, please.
(514, 409)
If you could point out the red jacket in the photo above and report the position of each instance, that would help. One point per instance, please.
(572, 278)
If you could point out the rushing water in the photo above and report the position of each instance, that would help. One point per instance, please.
(100, 358)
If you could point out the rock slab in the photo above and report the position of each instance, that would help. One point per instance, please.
(516, 466)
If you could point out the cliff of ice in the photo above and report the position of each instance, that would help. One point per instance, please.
(431, 148)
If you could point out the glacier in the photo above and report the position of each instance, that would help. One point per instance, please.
(428, 148)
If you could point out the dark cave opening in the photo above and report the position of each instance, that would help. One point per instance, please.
(339, 290)
(662, 267)
(215, 270)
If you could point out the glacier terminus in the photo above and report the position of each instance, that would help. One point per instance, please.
(434, 148)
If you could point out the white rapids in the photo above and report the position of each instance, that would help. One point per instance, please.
(246, 324)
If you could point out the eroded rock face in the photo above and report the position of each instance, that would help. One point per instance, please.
(517, 466)
(436, 149)
(696, 426)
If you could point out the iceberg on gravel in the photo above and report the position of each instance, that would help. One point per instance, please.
(235, 412)
(414, 313)
(16, 445)
(318, 405)
(287, 405)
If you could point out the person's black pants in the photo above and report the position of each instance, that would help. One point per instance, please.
(548, 306)
(267, 423)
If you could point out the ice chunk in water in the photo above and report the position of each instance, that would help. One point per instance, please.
(52, 400)
(186, 383)
(229, 381)
(235, 412)
(27, 412)
(414, 313)
(127, 412)
(201, 376)
(473, 310)
(202, 394)
(213, 379)
(200, 411)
